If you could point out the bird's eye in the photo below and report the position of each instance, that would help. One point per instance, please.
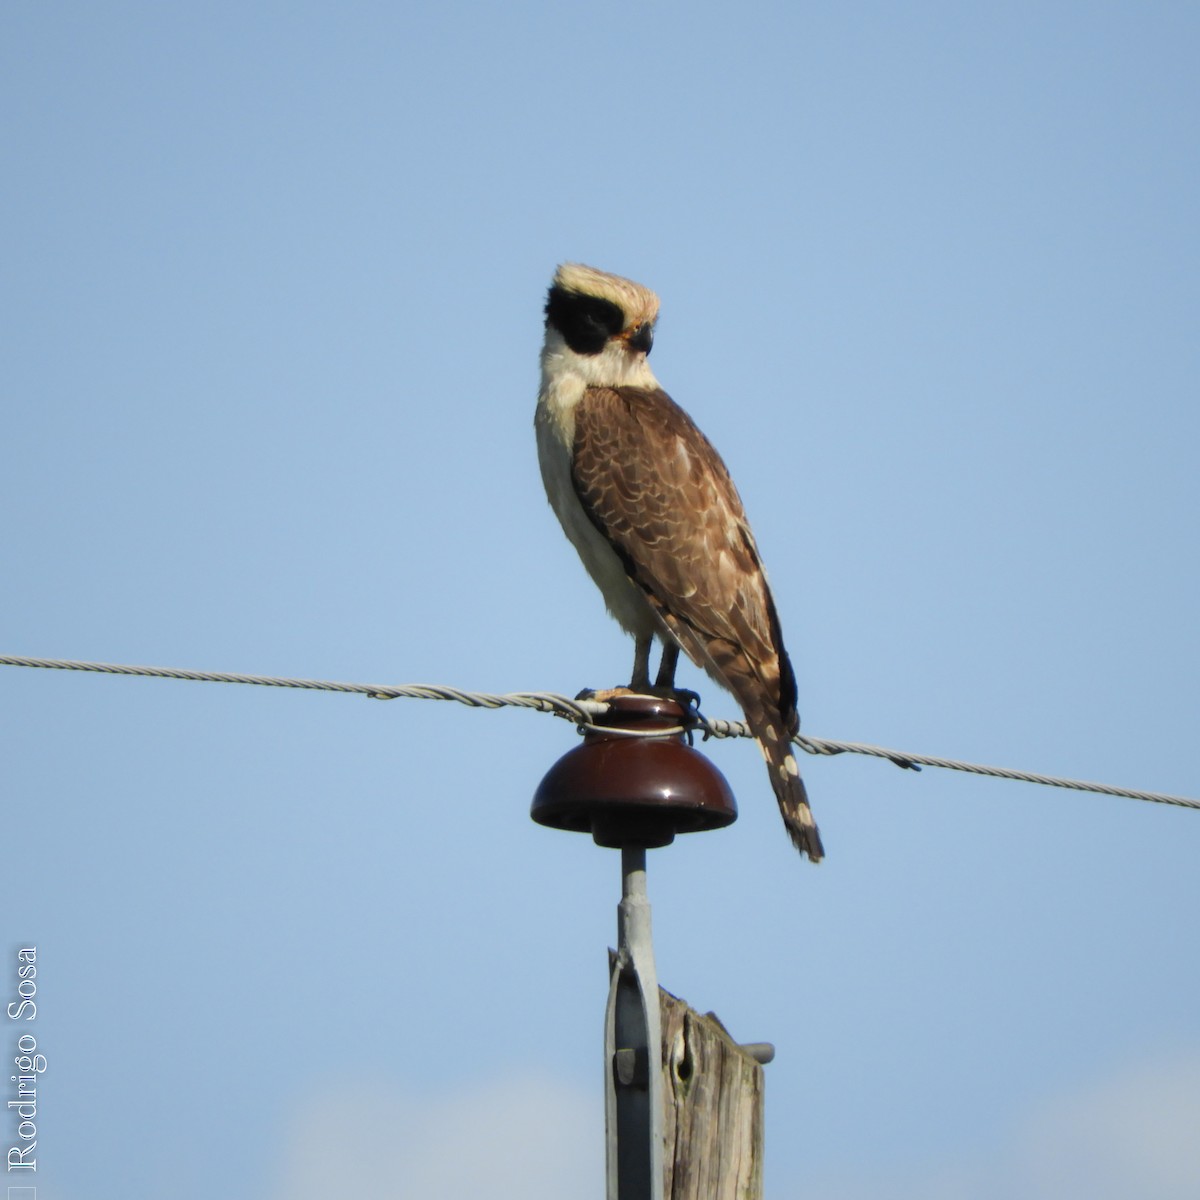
(586, 322)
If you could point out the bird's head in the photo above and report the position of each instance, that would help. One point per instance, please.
(602, 325)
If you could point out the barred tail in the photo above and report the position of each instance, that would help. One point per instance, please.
(767, 693)
(789, 788)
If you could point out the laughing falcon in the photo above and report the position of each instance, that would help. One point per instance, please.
(651, 509)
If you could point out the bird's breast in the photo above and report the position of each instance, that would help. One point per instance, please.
(554, 423)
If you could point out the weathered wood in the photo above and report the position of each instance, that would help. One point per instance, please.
(713, 1096)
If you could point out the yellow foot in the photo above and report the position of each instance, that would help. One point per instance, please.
(606, 694)
(684, 697)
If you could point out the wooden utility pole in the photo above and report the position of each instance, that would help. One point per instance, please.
(683, 1101)
(713, 1123)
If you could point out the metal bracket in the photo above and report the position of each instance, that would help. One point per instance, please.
(633, 1096)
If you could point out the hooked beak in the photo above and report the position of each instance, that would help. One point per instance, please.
(640, 337)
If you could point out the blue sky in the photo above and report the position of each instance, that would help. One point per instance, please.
(274, 277)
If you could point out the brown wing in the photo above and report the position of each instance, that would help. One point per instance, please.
(654, 486)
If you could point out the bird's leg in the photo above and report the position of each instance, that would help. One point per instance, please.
(666, 667)
(664, 681)
(639, 685)
(641, 664)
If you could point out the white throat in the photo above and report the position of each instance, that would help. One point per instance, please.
(614, 366)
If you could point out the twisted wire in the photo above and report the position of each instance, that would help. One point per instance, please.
(914, 762)
(579, 711)
(583, 711)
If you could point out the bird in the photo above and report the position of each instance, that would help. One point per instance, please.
(652, 511)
